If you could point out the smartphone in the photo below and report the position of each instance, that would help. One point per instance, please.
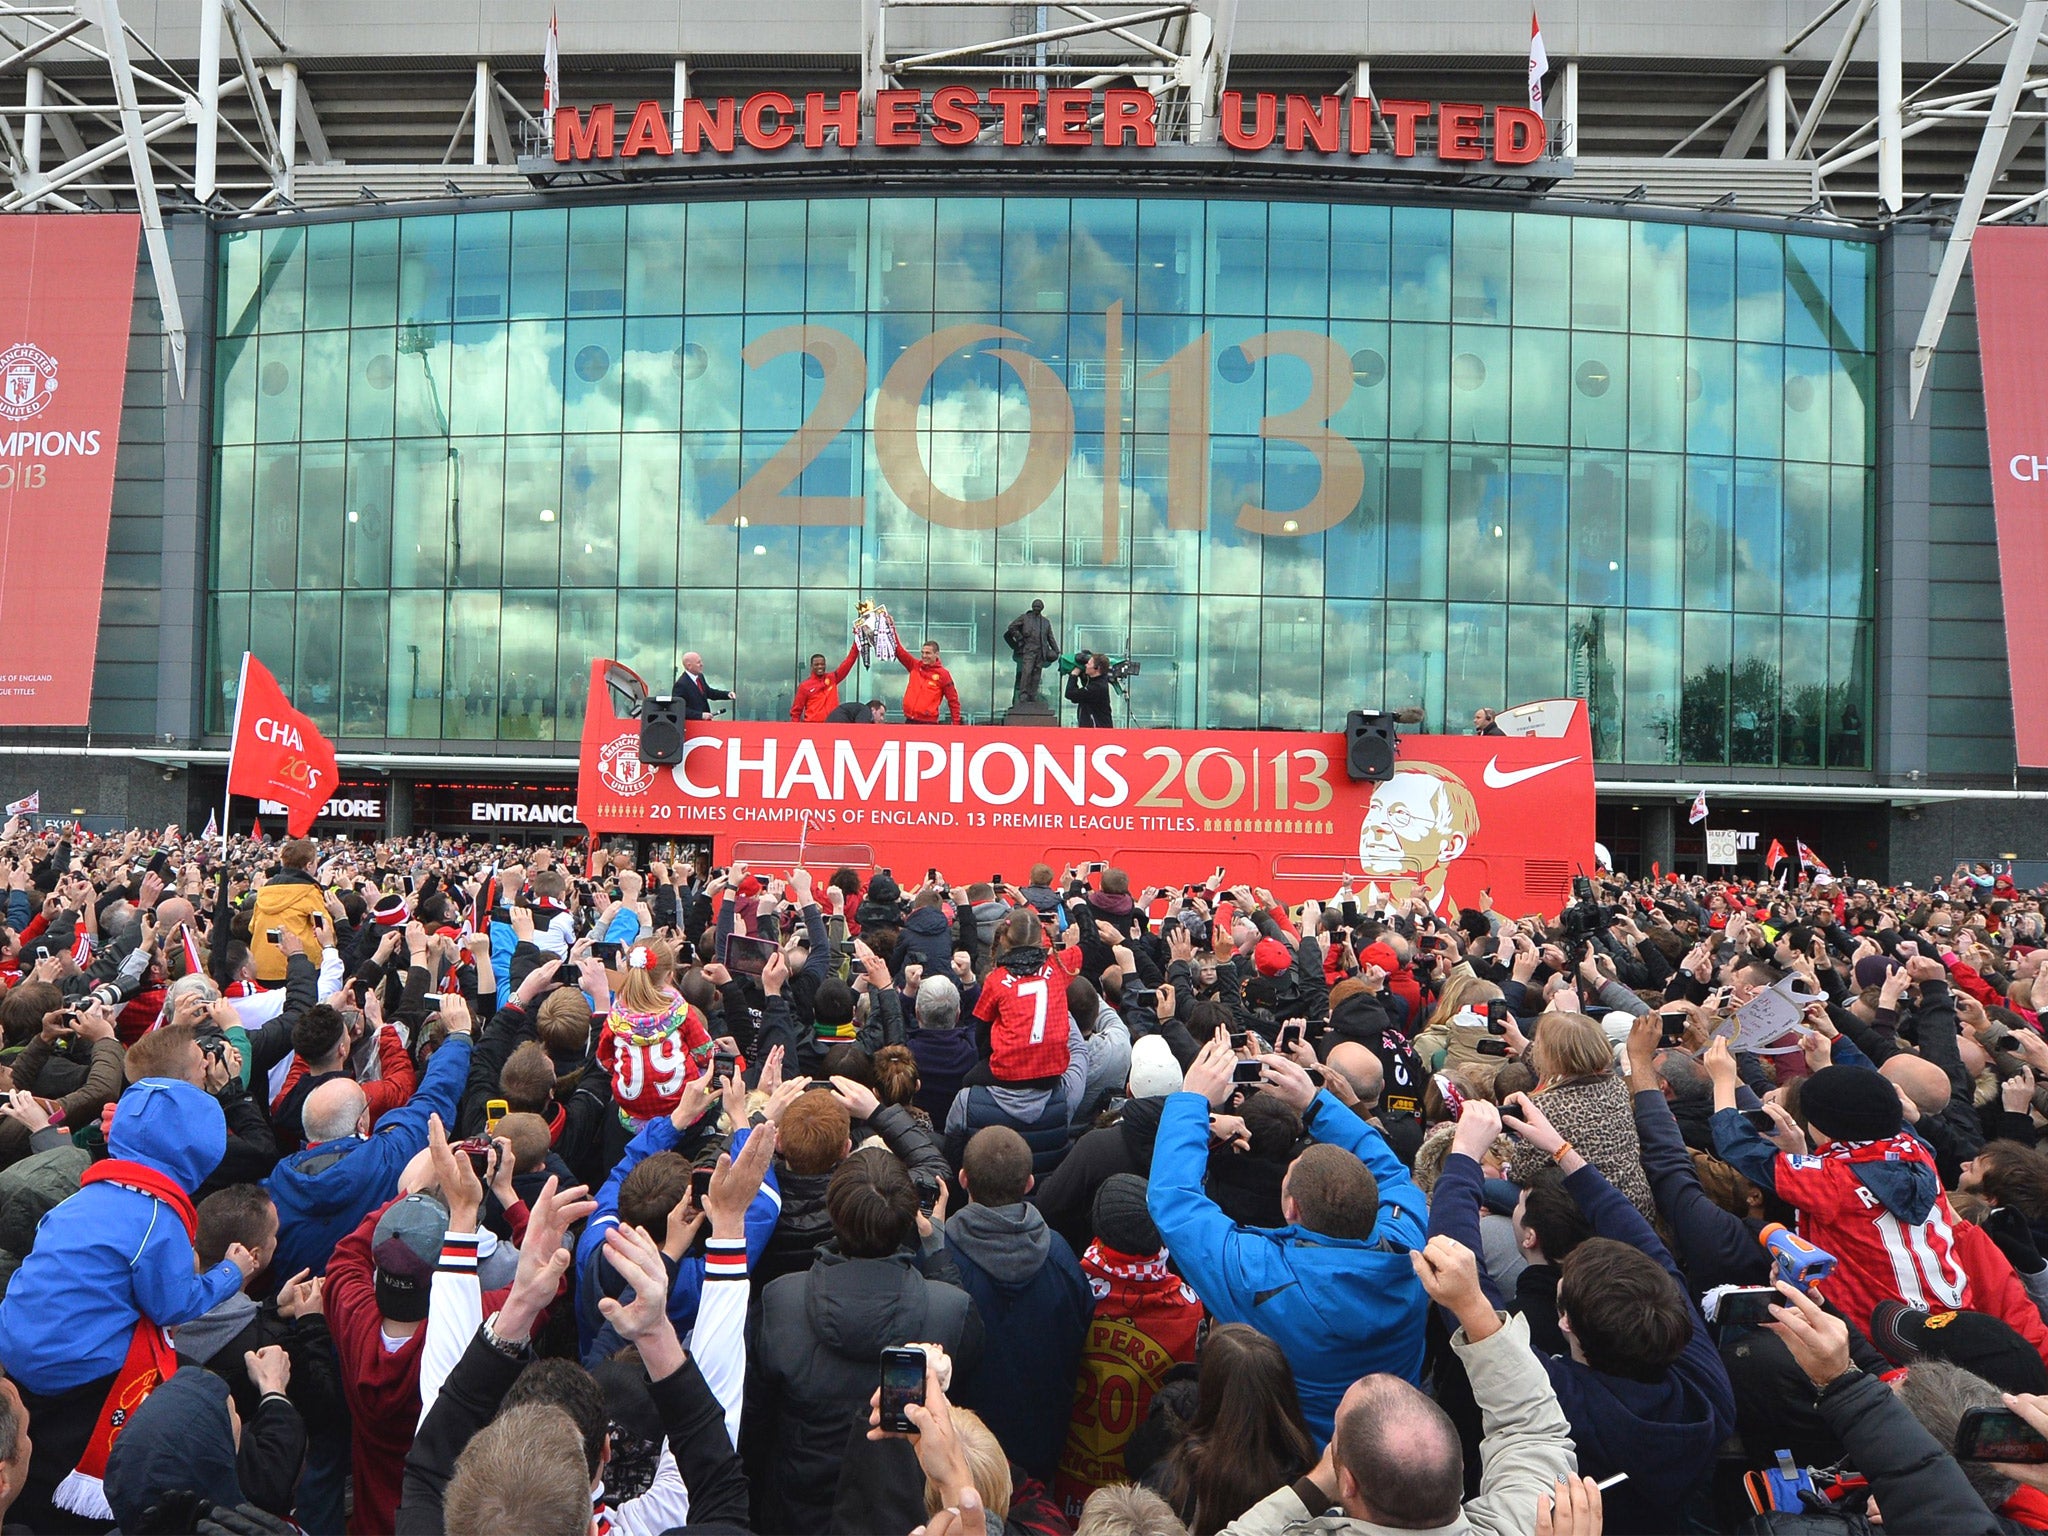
(903, 1373)
(1749, 1307)
(494, 1111)
(722, 1066)
(700, 1185)
(1999, 1434)
(997, 882)
(931, 877)
(273, 934)
(1672, 1029)
(1490, 1046)
(1498, 1012)
(745, 956)
(1097, 867)
(606, 952)
(1289, 1036)
(1762, 1123)
(1245, 1074)
(927, 1194)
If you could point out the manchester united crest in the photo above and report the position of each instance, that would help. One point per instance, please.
(28, 377)
(619, 766)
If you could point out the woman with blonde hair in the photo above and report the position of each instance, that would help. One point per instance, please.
(654, 1042)
(1456, 1025)
(1579, 1091)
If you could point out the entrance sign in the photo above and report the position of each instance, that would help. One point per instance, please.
(1460, 817)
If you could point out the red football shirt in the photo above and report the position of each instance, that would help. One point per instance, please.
(1028, 1013)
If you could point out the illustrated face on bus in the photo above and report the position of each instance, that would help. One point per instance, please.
(1418, 822)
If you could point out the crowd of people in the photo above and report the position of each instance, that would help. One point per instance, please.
(418, 1186)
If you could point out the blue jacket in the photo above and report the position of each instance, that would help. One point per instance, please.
(1340, 1308)
(686, 1286)
(323, 1192)
(1663, 1434)
(108, 1256)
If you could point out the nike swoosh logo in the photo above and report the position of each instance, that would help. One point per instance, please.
(1495, 779)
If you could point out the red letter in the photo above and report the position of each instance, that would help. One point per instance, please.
(1361, 125)
(1517, 135)
(1402, 116)
(1135, 110)
(649, 132)
(896, 118)
(1458, 131)
(1322, 122)
(1066, 117)
(702, 124)
(755, 107)
(1013, 103)
(1266, 119)
(818, 117)
(953, 117)
(574, 140)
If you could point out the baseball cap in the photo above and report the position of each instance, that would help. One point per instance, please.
(1982, 1344)
(1154, 1072)
(1270, 957)
(406, 1246)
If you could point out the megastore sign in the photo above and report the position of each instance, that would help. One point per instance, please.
(1422, 135)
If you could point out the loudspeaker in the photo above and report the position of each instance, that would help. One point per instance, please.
(661, 731)
(1369, 745)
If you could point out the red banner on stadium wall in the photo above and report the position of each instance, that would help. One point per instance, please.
(1461, 815)
(2011, 270)
(64, 306)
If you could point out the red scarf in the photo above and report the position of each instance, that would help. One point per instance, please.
(2028, 1507)
(150, 1359)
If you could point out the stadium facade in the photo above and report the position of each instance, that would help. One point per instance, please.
(1282, 348)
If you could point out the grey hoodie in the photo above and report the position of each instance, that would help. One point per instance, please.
(1009, 1243)
(206, 1335)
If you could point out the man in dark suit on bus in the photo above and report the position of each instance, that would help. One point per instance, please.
(694, 692)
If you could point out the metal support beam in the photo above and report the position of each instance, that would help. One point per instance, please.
(681, 95)
(2026, 35)
(1825, 92)
(874, 59)
(205, 153)
(113, 30)
(32, 125)
(1776, 100)
(287, 81)
(1568, 112)
(480, 146)
(252, 82)
(1891, 151)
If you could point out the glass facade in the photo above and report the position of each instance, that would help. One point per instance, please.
(1296, 457)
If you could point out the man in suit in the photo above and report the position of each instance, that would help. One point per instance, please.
(695, 693)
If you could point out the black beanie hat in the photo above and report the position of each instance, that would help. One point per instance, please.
(1120, 1218)
(1851, 1104)
(833, 1004)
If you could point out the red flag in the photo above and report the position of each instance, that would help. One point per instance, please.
(1656, 869)
(278, 754)
(256, 829)
(1774, 855)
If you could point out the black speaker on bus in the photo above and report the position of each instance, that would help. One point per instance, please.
(661, 731)
(1369, 745)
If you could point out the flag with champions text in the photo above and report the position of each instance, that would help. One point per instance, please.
(278, 753)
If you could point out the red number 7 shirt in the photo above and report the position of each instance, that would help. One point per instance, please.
(1027, 1009)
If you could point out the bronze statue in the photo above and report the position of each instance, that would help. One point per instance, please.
(1031, 639)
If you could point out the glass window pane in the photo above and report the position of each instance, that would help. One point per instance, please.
(1758, 535)
(1475, 655)
(327, 275)
(900, 234)
(373, 373)
(836, 275)
(1599, 390)
(1597, 527)
(654, 258)
(1805, 692)
(1353, 659)
(1759, 286)
(593, 386)
(316, 680)
(1538, 658)
(1753, 693)
(1759, 401)
(1419, 366)
(483, 265)
(526, 667)
(284, 279)
(469, 703)
(1848, 694)
(1105, 253)
(1354, 559)
(1657, 278)
(1854, 398)
(274, 562)
(1710, 281)
(1655, 544)
(1237, 258)
(1171, 256)
(1709, 532)
(1360, 257)
(374, 274)
(1703, 716)
(1853, 294)
(533, 500)
(1298, 277)
(420, 393)
(271, 629)
(1536, 527)
(1542, 392)
(366, 557)
(426, 270)
(540, 262)
(1710, 397)
(1806, 539)
(589, 630)
(1478, 542)
(323, 401)
(233, 503)
(1415, 659)
(775, 256)
(235, 372)
(323, 494)
(1600, 274)
(1482, 265)
(1851, 518)
(1594, 644)
(477, 360)
(1808, 321)
(1543, 265)
(365, 641)
(1422, 263)
(1291, 664)
(1417, 522)
(535, 358)
(277, 388)
(1656, 393)
(648, 479)
(1651, 734)
(1808, 380)
(1479, 384)
(476, 511)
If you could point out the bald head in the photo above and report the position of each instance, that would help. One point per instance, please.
(1399, 1461)
(333, 1110)
(1922, 1081)
(1361, 1069)
(171, 912)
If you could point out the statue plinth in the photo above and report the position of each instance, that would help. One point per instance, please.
(1031, 712)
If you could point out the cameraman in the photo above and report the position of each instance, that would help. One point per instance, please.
(1088, 691)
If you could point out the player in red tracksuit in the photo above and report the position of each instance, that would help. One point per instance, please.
(930, 684)
(818, 694)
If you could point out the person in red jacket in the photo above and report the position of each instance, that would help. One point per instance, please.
(818, 695)
(929, 684)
